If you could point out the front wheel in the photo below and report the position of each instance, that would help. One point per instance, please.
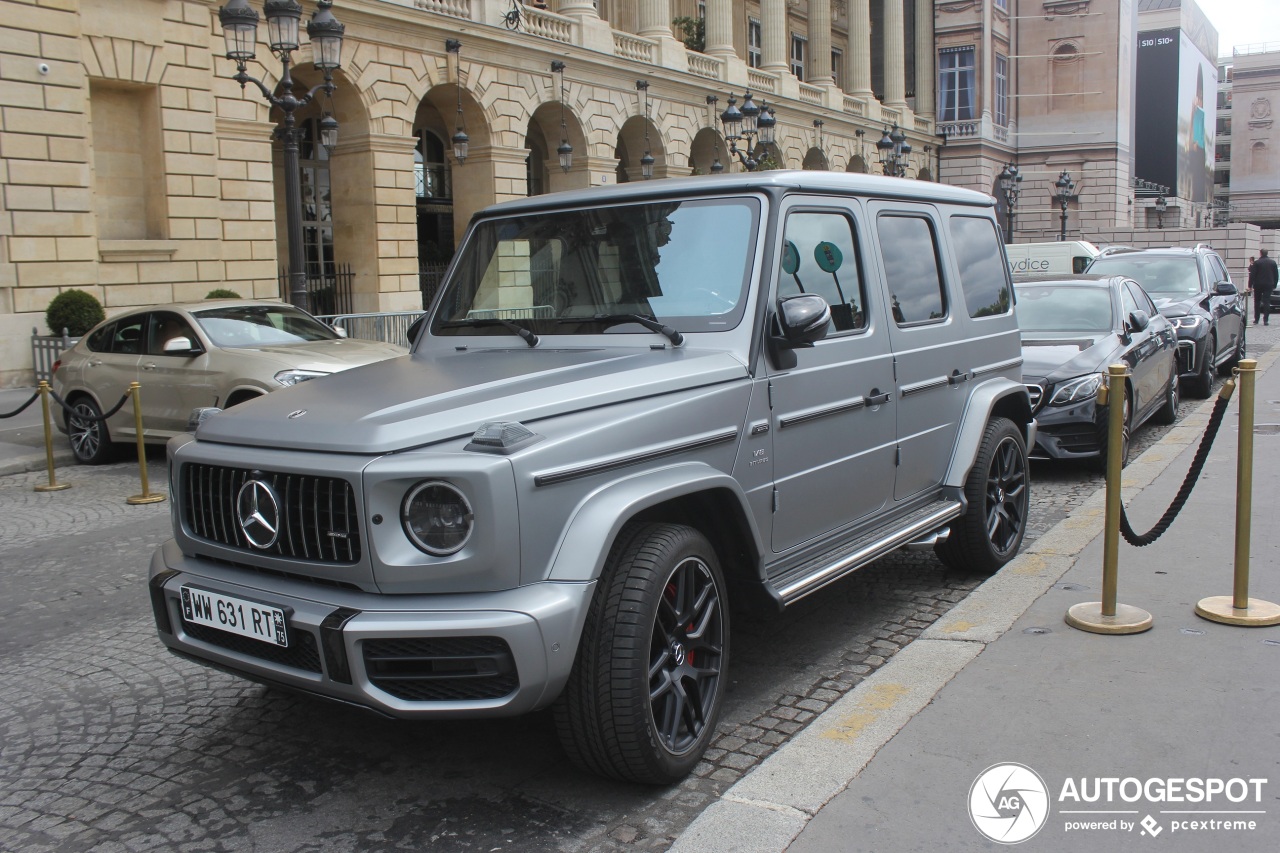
(648, 684)
(1172, 399)
(90, 441)
(990, 532)
(1239, 353)
(1201, 385)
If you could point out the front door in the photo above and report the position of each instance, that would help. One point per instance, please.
(832, 413)
(172, 385)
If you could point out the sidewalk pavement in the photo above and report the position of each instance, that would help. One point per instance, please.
(22, 436)
(1002, 678)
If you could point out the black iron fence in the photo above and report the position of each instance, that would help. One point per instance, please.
(328, 293)
(429, 278)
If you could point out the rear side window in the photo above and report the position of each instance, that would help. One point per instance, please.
(983, 275)
(127, 339)
(910, 252)
(100, 341)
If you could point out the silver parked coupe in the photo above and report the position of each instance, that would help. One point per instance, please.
(192, 355)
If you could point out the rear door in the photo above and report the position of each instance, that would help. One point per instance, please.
(925, 328)
(832, 412)
(113, 366)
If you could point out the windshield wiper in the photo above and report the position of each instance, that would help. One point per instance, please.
(526, 334)
(639, 319)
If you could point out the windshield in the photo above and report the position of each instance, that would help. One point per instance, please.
(686, 263)
(1050, 308)
(260, 325)
(1176, 277)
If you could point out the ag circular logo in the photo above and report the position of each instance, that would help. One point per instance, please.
(1008, 803)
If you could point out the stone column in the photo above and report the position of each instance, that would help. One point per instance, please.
(859, 49)
(578, 8)
(773, 26)
(925, 74)
(655, 18)
(720, 28)
(820, 43)
(895, 85)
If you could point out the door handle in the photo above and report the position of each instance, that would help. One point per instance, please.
(94, 362)
(875, 398)
(150, 365)
(957, 377)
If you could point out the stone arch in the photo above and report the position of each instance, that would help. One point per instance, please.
(706, 149)
(552, 123)
(815, 160)
(857, 163)
(637, 135)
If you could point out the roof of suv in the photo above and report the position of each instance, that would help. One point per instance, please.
(1198, 249)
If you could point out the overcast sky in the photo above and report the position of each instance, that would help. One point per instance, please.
(1242, 22)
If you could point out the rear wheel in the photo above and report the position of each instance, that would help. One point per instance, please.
(90, 441)
(648, 683)
(990, 532)
(1234, 361)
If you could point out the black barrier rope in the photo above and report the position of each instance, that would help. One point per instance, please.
(89, 418)
(21, 408)
(1188, 483)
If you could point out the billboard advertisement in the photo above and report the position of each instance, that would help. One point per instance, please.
(1175, 115)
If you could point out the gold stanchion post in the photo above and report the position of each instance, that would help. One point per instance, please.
(1106, 616)
(1238, 608)
(53, 485)
(147, 496)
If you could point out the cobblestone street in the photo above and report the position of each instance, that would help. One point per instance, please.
(109, 743)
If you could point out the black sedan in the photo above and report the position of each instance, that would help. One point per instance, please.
(1072, 329)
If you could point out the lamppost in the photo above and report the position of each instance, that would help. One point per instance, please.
(646, 162)
(752, 124)
(1010, 185)
(1065, 185)
(1161, 206)
(894, 151)
(565, 151)
(240, 30)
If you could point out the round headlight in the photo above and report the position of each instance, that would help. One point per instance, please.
(437, 518)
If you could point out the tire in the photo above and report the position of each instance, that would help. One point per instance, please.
(1168, 413)
(1100, 464)
(1201, 385)
(1234, 361)
(90, 439)
(990, 532)
(659, 607)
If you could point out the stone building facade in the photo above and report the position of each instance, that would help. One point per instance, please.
(134, 168)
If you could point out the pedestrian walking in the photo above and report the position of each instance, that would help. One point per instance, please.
(1257, 310)
(1264, 276)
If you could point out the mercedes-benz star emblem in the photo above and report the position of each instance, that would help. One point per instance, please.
(258, 510)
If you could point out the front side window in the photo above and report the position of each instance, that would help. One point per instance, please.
(165, 326)
(819, 255)
(259, 325)
(909, 249)
(983, 277)
(955, 84)
(568, 272)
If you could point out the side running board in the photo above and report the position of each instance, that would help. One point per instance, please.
(797, 582)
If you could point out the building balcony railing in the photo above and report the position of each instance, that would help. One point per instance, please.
(959, 129)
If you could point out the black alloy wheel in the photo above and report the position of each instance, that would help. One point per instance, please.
(1201, 385)
(1168, 413)
(1104, 433)
(647, 684)
(990, 532)
(1240, 352)
(90, 441)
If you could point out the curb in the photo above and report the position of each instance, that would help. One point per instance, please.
(37, 462)
(773, 804)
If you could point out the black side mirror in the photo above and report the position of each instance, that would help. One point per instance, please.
(803, 319)
(411, 334)
(1224, 288)
(1138, 320)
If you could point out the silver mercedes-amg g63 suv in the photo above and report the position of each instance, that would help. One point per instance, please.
(626, 409)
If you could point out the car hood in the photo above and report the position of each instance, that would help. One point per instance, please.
(420, 399)
(327, 356)
(1173, 307)
(1055, 357)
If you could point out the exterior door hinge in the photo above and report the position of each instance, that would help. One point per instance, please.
(775, 499)
(897, 457)
(770, 396)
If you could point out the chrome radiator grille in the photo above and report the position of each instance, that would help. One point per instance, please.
(315, 518)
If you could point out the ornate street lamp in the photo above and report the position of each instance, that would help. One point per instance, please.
(646, 162)
(1010, 185)
(1162, 205)
(1065, 185)
(894, 152)
(240, 32)
(565, 151)
(461, 142)
(749, 125)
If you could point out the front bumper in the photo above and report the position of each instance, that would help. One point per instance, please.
(1191, 349)
(437, 656)
(1069, 432)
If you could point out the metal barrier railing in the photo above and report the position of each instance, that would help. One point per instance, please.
(391, 328)
(46, 350)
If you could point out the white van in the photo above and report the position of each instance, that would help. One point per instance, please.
(1064, 258)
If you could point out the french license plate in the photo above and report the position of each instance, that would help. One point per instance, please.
(235, 615)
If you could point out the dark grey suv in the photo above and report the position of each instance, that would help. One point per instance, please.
(1190, 286)
(628, 409)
